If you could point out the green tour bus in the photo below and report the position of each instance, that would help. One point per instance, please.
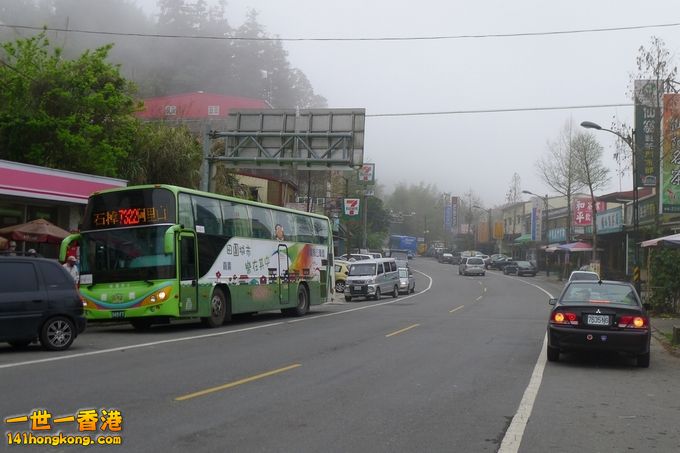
(155, 252)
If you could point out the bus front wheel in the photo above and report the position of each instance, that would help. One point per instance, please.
(218, 310)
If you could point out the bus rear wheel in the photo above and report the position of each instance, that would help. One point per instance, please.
(302, 307)
(218, 309)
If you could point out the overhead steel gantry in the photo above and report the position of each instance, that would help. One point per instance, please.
(318, 139)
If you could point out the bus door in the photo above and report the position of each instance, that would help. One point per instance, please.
(283, 277)
(188, 273)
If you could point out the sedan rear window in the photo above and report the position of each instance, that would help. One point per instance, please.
(600, 293)
(476, 261)
(362, 269)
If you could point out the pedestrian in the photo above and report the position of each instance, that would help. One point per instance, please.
(72, 268)
(33, 252)
(12, 249)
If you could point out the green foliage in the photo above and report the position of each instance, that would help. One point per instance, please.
(665, 268)
(164, 154)
(68, 114)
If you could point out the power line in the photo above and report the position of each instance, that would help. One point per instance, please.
(518, 109)
(384, 38)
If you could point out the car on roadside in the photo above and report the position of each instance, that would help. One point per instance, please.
(341, 272)
(372, 279)
(407, 283)
(584, 275)
(471, 265)
(352, 257)
(38, 301)
(496, 260)
(599, 316)
(520, 268)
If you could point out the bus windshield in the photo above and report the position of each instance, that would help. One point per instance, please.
(125, 254)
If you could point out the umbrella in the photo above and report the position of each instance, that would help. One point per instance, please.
(669, 241)
(39, 230)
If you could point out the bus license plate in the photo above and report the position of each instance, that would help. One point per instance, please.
(117, 314)
(598, 320)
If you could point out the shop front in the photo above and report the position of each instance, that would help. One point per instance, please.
(29, 192)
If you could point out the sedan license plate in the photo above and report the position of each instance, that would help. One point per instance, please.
(597, 320)
(117, 314)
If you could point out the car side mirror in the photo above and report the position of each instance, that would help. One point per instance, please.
(346, 272)
(552, 301)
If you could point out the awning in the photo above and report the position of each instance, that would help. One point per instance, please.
(523, 238)
(668, 241)
(576, 247)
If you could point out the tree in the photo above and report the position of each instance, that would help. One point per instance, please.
(590, 171)
(164, 154)
(68, 114)
(514, 193)
(559, 169)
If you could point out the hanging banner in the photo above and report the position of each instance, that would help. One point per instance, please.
(670, 192)
(647, 132)
(454, 214)
(583, 211)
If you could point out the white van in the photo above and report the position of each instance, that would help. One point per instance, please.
(372, 278)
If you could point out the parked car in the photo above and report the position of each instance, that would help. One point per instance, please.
(341, 272)
(520, 268)
(584, 275)
(407, 283)
(372, 278)
(495, 260)
(38, 300)
(471, 265)
(599, 316)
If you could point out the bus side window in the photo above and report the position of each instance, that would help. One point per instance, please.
(305, 228)
(188, 264)
(321, 231)
(236, 219)
(186, 211)
(287, 223)
(262, 225)
(208, 215)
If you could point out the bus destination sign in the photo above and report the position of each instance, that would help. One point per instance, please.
(130, 217)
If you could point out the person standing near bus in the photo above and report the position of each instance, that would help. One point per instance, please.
(72, 268)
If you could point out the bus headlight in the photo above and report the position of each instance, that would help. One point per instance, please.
(162, 295)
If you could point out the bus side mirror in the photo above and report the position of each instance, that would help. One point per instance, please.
(66, 243)
(169, 239)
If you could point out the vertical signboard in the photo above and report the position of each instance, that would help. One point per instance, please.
(670, 192)
(647, 132)
(583, 211)
(351, 209)
(448, 215)
(367, 174)
(454, 214)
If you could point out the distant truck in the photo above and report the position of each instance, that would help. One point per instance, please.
(408, 243)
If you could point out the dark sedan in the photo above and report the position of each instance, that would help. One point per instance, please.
(599, 316)
(520, 268)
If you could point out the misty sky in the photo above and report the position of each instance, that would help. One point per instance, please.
(477, 151)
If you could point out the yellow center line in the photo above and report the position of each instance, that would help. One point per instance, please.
(235, 383)
(456, 309)
(401, 331)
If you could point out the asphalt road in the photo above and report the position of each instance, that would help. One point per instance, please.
(445, 369)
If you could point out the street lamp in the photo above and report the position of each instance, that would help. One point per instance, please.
(636, 218)
(488, 211)
(544, 228)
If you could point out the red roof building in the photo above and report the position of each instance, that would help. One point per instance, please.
(197, 106)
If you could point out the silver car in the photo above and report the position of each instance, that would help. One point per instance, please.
(407, 284)
(471, 265)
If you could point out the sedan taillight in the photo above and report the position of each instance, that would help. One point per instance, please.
(564, 317)
(633, 322)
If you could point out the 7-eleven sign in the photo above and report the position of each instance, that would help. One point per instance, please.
(351, 207)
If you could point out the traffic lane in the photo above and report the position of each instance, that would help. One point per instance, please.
(355, 359)
(602, 402)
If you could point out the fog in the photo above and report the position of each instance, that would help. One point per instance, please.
(484, 104)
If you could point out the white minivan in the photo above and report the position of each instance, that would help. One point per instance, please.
(372, 278)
